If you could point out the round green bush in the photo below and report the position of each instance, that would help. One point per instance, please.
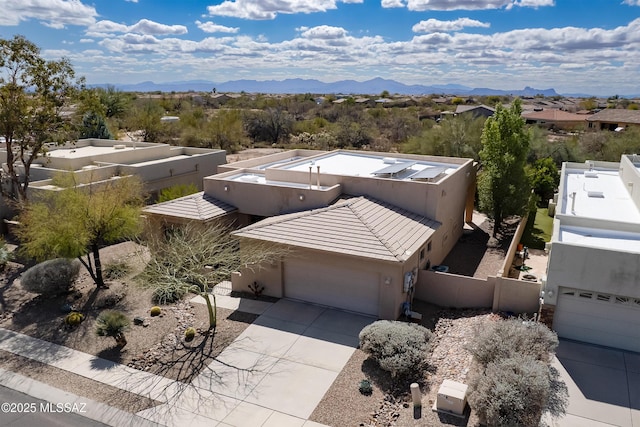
(74, 318)
(189, 334)
(52, 277)
(155, 311)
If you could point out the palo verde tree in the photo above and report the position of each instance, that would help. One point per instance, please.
(503, 185)
(33, 92)
(78, 220)
(194, 258)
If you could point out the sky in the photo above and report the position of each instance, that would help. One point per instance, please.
(573, 46)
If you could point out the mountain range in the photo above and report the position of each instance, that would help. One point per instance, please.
(292, 86)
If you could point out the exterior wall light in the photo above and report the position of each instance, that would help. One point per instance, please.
(301, 197)
(226, 188)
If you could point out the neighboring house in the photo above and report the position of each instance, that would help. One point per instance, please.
(96, 160)
(591, 292)
(359, 224)
(614, 119)
(475, 111)
(556, 119)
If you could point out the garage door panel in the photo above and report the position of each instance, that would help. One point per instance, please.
(600, 319)
(343, 287)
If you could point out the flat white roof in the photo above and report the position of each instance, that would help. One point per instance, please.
(605, 239)
(598, 194)
(260, 179)
(90, 150)
(356, 164)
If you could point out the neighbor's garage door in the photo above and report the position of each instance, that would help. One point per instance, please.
(342, 287)
(598, 318)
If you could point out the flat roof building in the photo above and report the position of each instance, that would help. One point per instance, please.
(592, 288)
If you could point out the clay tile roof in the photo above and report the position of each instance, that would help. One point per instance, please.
(198, 206)
(360, 226)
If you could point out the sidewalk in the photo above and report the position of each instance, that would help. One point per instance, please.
(273, 375)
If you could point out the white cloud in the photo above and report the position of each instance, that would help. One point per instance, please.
(434, 25)
(632, 2)
(52, 13)
(132, 1)
(143, 26)
(210, 27)
(423, 5)
(392, 3)
(87, 40)
(324, 32)
(269, 9)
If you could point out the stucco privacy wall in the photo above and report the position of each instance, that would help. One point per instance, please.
(630, 176)
(497, 293)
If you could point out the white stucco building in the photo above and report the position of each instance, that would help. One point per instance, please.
(592, 289)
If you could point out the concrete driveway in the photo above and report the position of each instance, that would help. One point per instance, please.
(274, 374)
(603, 383)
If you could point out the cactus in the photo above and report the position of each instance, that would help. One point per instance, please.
(189, 334)
(155, 311)
(74, 318)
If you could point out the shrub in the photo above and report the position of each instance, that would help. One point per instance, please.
(189, 334)
(5, 255)
(155, 311)
(167, 293)
(74, 318)
(111, 323)
(116, 270)
(365, 387)
(51, 277)
(504, 339)
(516, 392)
(399, 348)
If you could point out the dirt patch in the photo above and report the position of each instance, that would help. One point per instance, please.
(156, 345)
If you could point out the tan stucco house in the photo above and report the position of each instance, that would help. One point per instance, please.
(592, 289)
(97, 160)
(359, 225)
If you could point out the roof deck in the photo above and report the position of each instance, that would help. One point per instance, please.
(372, 166)
(598, 193)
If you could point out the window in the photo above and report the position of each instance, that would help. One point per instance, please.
(429, 247)
(585, 295)
(421, 254)
(602, 297)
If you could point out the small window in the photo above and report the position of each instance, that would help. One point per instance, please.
(622, 300)
(585, 295)
(421, 254)
(602, 297)
(572, 293)
(429, 247)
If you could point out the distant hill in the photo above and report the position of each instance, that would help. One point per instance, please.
(291, 86)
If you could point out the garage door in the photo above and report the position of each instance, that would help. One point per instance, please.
(598, 318)
(343, 287)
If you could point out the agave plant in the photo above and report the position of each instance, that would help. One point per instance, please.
(112, 323)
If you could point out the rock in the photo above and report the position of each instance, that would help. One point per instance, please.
(138, 320)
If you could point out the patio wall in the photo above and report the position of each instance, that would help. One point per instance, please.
(513, 247)
(497, 293)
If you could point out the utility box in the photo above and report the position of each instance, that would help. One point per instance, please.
(452, 398)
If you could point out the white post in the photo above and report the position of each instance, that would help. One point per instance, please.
(318, 179)
(415, 394)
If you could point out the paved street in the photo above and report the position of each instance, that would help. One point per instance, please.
(37, 418)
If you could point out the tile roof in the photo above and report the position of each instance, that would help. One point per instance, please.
(198, 206)
(554, 116)
(616, 115)
(360, 226)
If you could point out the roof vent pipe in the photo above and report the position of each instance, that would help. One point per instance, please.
(310, 177)
(573, 202)
(318, 178)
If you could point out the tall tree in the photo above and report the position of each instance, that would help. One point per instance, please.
(503, 185)
(33, 92)
(79, 220)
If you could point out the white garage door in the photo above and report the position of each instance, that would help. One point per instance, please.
(343, 287)
(598, 318)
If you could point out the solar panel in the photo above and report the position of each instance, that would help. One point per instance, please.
(429, 173)
(394, 168)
